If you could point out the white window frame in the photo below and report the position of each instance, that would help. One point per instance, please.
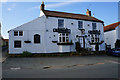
(94, 38)
(63, 23)
(93, 26)
(80, 24)
(60, 38)
(19, 33)
(17, 47)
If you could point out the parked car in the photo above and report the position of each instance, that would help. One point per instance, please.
(114, 52)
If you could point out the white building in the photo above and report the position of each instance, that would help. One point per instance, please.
(112, 34)
(55, 32)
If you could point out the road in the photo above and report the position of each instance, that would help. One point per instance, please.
(101, 66)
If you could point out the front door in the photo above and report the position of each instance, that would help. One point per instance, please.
(82, 41)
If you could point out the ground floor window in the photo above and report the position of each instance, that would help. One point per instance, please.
(63, 37)
(94, 38)
(36, 38)
(17, 44)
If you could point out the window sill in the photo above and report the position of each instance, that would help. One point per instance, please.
(64, 43)
(27, 41)
(81, 29)
(97, 43)
(54, 41)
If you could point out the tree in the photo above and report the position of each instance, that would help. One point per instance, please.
(117, 44)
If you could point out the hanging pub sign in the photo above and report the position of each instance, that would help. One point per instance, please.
(94, 32)
(61, 30)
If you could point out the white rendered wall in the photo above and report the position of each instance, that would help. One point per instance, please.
(52, 22)
(36, 26)
(118, 32)
(44, 26)
(110, 38)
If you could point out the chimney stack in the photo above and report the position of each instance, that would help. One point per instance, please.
(88, 13)
(42, 6)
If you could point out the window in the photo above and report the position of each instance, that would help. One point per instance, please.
(67, 37)
(60, 23)
(63, 37)
(94, 38)
(94, 26)
(97, 38)
(17, 44)
(80, 24)
(20, 33)
(15, 33)
(60, 37)
(36, 38)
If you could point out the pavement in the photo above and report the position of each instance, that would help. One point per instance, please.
(4, 54)
(101, 66)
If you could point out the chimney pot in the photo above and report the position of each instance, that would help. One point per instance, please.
(88, 13)
(42, 6)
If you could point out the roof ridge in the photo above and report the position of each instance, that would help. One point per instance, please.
(63, 12)
(70, 15)
(111, 26)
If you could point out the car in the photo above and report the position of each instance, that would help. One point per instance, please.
(114, 52)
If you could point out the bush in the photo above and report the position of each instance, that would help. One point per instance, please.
(77, 46)
(117, 44)
(26, 54)
(61, 55)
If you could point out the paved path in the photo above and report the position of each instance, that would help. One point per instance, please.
(61, 67)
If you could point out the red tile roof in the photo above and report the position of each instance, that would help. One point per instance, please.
(70, 15)
(6, 40)
(111, 26)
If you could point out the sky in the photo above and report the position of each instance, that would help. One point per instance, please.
(17, 13)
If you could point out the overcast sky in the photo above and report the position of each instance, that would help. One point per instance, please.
(17, 13)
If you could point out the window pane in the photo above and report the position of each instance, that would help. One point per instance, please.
(94, 26)
(63, 34)
(63, 39)
(60, 23)
(80, 24)
(37, 38)
(59, 34)
(15, 33)
(20, 33)
(66, 34)
(92, 38)
(17, 44)
(67, 39)
(60, 39)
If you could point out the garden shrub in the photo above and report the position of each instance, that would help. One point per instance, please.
(26, 54)
(117, 44)
(77, 47)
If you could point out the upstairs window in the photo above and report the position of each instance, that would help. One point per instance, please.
(17, 44)
(80, 24)
(20, 33)
(94, 26)
(60, 23)
(36, 38)
(15, 33)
